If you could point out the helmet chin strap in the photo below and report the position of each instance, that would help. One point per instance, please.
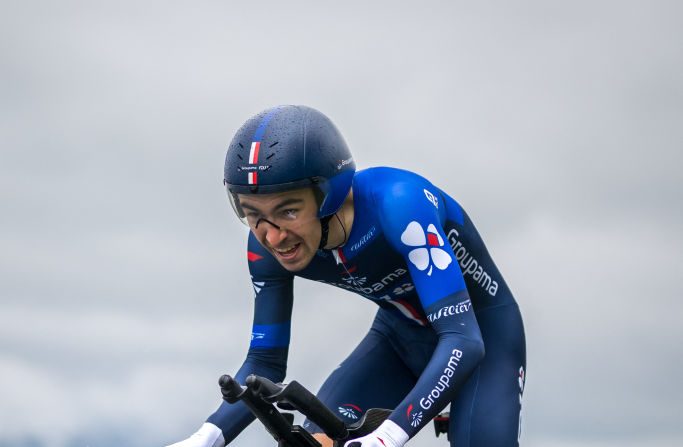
(325, 227)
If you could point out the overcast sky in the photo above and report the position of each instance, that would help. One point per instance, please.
(124, 291)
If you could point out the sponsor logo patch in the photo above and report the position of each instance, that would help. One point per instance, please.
(470, 266)
(258, 285)
(254, 168)
(432, 198)
(429, 254)
(369, 289)
(367, 237)
(403, 288)
(415, 418)
(343, 163)
(350, 411)
(444, 381)
(448, 311)
(355, 280)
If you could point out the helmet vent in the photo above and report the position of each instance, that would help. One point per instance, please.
(268, 157)
(241, 145)
(240, 157)
(274, 144)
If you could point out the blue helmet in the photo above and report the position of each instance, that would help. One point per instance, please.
(289, 147)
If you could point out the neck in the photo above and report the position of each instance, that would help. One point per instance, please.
(340, 228)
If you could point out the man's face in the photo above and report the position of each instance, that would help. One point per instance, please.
(296, 240)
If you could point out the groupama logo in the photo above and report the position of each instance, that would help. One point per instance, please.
(429, 253)
(414, 418)
(351, 411)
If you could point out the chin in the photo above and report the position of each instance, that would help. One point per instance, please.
(298, 264)
(293, 268)
(296, 267)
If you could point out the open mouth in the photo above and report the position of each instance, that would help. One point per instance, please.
(287, 252)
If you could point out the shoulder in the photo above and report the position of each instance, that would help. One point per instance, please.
(400, 197)
(386, 174)
(389, 188)
(385, 183)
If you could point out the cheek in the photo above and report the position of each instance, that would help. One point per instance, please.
(311, 234)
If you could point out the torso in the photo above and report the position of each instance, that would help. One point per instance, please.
(370, 265)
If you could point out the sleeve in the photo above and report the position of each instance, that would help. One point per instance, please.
(412, 221)
(267, 355)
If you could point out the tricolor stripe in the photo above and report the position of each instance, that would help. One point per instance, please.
(406, 309)
(253, 152)
(341, 255)
(261, 129)
(252, 178)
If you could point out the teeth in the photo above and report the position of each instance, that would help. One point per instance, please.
(285, 250)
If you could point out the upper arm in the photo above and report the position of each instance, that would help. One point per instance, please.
(412, 223)
(273, 298)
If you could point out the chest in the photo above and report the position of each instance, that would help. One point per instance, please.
(369, 267)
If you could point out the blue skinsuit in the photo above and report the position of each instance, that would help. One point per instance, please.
(448, 329)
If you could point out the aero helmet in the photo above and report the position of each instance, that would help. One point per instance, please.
(290, 147)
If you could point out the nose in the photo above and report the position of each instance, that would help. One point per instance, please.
(275, 235)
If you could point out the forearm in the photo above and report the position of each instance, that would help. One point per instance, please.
(231, 419)
(454, 359)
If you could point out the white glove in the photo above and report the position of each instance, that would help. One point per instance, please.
(207, 436)
(386, 435)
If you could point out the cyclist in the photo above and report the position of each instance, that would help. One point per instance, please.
(448, 329)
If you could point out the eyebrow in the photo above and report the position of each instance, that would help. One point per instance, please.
(280, 205)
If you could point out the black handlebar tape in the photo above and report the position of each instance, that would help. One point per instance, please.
(230, 389)
(316, 411)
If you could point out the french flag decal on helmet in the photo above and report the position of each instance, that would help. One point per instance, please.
(253, 152)
(252, 177)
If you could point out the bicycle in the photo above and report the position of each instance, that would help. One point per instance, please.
(263, 398)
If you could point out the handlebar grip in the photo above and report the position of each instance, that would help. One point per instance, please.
(230, 388)
(275, 422)
(263, 387)
(316, 411)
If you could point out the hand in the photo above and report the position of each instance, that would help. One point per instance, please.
(323, 440)
(207, 436)
(367, 441)
(386, 435)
